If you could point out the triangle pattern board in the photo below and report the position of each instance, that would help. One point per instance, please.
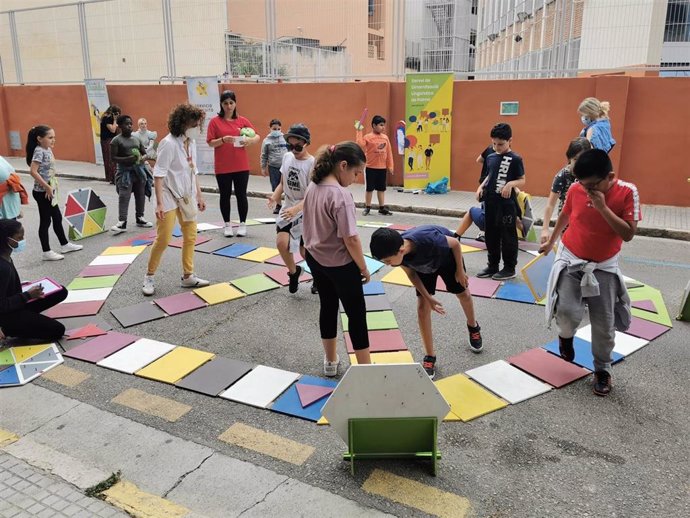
(98, 215)
(81, 196)
(76, 221)
(95, 202)
(72, 207)
(309, 394)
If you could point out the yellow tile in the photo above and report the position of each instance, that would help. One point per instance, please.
(382, 358)
(175, 365)
(397, 276)
(136, 502)
(217, 293)
(162, 407)
(466, 398)
(323, 421)
(260, 255)
(467, 249)
(66, 376)
(267, 443)
(25, 352)
(416, 495)
(123, 250)
(7, 437)
(451, 417)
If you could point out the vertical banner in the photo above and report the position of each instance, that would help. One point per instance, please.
(428, 106)
(203, 91)
(97, 98)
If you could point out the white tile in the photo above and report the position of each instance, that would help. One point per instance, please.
(625, 344)
(265, 220)
(200, 227)
(507, 381)
(136, 356)
(113, 259)
(87, 295)
(261, 386)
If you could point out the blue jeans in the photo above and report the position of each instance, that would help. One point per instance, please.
(274, 176)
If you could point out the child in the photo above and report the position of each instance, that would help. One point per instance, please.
(273, 149)
(425, 253)
(600, 213)
(147, 138)
(334, 250)
(377, 148)
(12, 192)
(132, 177)
(505, 172)
(20, 311)
(562, 182)
(594, 115)
(39, 155)
(295, 170)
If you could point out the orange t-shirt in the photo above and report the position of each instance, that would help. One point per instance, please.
(377, 148)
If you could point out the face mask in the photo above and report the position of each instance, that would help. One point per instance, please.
(193, 133)
(586, 120)
(297, 148)
(275, 133)
(21, 245)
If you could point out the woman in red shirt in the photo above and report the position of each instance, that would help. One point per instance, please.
(231, 160)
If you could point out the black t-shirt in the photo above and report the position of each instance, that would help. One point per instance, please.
(489, 150)
(502, 169)
(106, 134)
(11, 297)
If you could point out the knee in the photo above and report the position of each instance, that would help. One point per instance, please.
(422, 306)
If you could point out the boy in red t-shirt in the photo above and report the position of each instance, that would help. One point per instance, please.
(600, 213)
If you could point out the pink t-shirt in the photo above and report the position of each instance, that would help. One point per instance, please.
(329, 217)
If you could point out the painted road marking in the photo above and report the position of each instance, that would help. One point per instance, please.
(7, 437)
(66, 376)
(417, 495)
(131, 499)
(267, 443)
(158, 406)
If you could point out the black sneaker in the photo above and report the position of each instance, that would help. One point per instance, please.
(475, 338)
(504, 275)
(429, 364)
(487, 272)
(141, 222)
(294, 279)
(384, 211)
(602, 383)
(314, 290)
(366, 211)
(480, 237)
(565, 347)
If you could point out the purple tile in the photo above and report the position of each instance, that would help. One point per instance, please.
(95, 350)
(645, 329)
(105, 269)
(645, 305)
(180, 303)
(74, 309)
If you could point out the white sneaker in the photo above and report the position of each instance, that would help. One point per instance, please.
(141, 222)
(242, 230)
(330, 369)
(148, 288)
(227, 231)
(119, 228)
(52, 256)
(70, 247)
(193, 282)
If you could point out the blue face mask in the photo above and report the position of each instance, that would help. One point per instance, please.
(275, 133)
(586, 120)
(21, 245)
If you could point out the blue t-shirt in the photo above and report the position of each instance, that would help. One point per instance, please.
(602, 138)
(431, 248)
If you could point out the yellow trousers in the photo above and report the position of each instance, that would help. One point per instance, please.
(164, 230)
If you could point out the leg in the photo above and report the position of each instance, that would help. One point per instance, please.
(124, 194)
(381, 195)
(493, 236)
(225, 190)
(370, 181)
(283, 245)
(274, 176)
(29, 323)
(328, 310)
(56, 216)
(240, 181)
(139, 188)
(601, 316)
(570, 307)
(188, 242)
(465, 223)
(424, 322)
(108, 165)
(44, 215)
(467, 306)
(348, 284)
(164, 230)
(367, 198)
(509, 239)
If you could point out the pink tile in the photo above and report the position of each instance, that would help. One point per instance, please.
(548, 367)
(280, 275)
(74, 309)
(180, 303)
(381, 341)
(95, 350)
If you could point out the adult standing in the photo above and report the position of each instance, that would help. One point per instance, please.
(594, 115)
(178, 194)
(147, 138)
(229, 134)
(108, 132)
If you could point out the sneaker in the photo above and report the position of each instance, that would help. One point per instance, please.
(148, 288)
(384, 211)
(227, 230)
(330, 369)
(242, 230)
(504, 275)
(193, 282)
(429, 365)
(480, 237)
(487, 272)
(366, 211)
(294, 279)
(314, 290)
(119, 228)
(565, 347)
(70, 247)
(141, 222)
(475, 338)
(602, 383)
(52, 256)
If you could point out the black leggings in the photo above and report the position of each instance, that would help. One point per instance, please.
(47, 213)
(29, 323)
(344, 284)
(225, 186)
(500, 233)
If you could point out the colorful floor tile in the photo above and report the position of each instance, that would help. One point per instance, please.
(387, 358)
(645, 329)
(583, 352)
(280, 275)
(137, 314)
(102, 271)
(103, 260)
(214, 377)
(277, 260)
(515, 290)
(200, 240)
(123, 250)
(22, 364)
(483, 287)
(397, 276)
(261, 386)
(96, 349)
(375, 320)
(180, 303)
(259, 255)
(291, 404)
(87, 295)
(380, 341)
(548, 367)
(235, 250)
(254, 284)
(625, 344)
(135, 357)
(89, 283)
(75, 309)
(214, 244)
(373, 288)
(175, 365)
(467, 399)
(648, 293)
(508, 382)
(217, 293)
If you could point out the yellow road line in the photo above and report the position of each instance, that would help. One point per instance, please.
(66, 376)
(140, 504)
(7, 437)
(267, 443)
(415, 494)
(162, 407)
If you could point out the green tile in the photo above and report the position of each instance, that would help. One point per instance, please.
(647, 292)
(376, 320)
(254, 284)
(6, 357)
(85, 283)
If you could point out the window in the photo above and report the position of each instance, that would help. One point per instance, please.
(677, 27)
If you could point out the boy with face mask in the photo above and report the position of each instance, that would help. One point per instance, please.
(273, 148)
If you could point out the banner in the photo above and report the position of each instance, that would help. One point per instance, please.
(97, 97)
(428, 105)
(203, 92)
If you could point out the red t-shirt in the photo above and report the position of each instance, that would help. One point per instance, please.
(588, 235)
(228, 158)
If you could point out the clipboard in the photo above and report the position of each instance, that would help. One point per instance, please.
(536, 274)
(49, 286)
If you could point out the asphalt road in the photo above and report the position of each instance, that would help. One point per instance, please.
(566, 453)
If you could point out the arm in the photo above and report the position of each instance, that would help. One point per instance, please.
(12, 302)
(158, 187)
(480, 159)
(200, 202)
(39, 180)
(275, 198)
(508, 187)
(419, 286)
(625, 229)
(112, 126)
(264, 157)
(212, 137)
(456, 249)
(548, 211)
(354, 246)
(561, 223)
(389, 157)
(359, 138)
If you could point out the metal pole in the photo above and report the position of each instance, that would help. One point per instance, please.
(83, 31)
(15, 48)
(168, 37)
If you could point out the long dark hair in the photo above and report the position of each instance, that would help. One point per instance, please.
(227, 94)
(32, 140)
(8, 228)
(329, 156)
(112, 110)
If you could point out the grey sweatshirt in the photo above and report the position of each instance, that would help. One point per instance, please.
(272, 151)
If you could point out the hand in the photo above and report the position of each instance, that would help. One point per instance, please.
(201, 203)
(49, 192)
(390, 172)
(242, 141)
(506, 191)
(545, 236)
(366, 276)
(160, 213)
(264, 171)
(597, 199)
(436, 305)
(270, 202)
(546, 248)
(35, 292)
(290, 213)
(478, 196)
(462, 278)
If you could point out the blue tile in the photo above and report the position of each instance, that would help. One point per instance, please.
(177, 231)
(9, 376)
(235, 250)
(374, 288)
(583, 352)
(515, 290)
(373, 265)
(289, 402)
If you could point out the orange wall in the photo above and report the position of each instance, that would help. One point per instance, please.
(648, 117)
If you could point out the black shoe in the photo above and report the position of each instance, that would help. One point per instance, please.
(487, 272)
(276, 210)
(475, 338)
(294, 279)
(384, 211)
(602, 383)
(141, 222)
(314, 290)
(366, 211)
(480, 237)
(504, 275)
(565, 347)
(429, 364)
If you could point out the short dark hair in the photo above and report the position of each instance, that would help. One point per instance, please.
(377, 119)
(594, 163)
(385, 242)
(274, 121)
(8, 228)
(122, 118)
(576, 147)
(502, 131)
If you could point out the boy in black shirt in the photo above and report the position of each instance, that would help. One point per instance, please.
(505, 172)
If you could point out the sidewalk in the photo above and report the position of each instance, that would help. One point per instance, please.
(658, 220)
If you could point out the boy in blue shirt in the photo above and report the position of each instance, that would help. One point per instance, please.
(425, 253)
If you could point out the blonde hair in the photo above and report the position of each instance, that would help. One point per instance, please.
(142, 120)
(594, 108)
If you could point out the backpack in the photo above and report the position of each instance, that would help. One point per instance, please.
(524, 207)
(438, 187)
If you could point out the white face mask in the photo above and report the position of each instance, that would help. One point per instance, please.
(193, 133)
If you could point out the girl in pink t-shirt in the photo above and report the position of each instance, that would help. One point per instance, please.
(334, 250)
